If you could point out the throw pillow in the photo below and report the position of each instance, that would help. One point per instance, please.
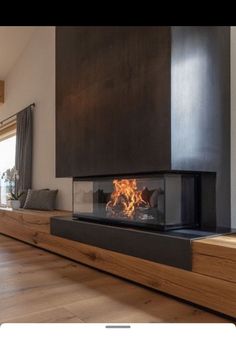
(41, 200)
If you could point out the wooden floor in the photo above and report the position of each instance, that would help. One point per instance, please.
(37, 286)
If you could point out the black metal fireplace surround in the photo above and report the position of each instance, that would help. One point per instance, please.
(143, 127)
(172, 248)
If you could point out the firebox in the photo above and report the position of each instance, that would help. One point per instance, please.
(158, 202)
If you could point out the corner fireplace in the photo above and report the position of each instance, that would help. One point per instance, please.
(159, 201)
(146, 138)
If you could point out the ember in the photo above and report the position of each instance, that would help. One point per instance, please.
(125, 199)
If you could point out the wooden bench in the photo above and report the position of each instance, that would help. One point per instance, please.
(29, 219)
(211, 283)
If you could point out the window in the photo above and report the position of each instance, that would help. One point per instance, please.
(7, 161)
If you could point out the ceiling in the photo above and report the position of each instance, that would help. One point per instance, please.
(13, 40)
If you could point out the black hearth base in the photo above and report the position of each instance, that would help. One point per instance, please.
(172, 248)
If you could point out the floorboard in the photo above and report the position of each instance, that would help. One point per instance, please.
(37, 286)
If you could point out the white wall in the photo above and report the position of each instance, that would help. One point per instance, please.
(32, 79)
(233, 126)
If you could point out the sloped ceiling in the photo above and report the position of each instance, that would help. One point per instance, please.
(13, 40)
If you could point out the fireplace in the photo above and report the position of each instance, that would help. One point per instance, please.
(143, 120)
(147, 100)
(159, 201)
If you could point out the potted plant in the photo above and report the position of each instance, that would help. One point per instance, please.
(10, 177)
(14, 198)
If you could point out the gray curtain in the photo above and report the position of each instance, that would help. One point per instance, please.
(24, 140)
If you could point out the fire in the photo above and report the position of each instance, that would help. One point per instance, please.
(125, 198)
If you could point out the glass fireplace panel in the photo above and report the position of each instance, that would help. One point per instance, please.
(159, 202)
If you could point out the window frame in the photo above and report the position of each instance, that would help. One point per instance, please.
(8, 130)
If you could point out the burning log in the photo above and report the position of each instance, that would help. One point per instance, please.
(125, 199)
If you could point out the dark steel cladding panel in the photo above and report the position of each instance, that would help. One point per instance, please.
(171, 249)
(200, 106)
(112, 100)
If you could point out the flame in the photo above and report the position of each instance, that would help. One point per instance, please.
(126, 196)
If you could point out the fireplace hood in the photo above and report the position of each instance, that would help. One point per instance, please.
(146, 100)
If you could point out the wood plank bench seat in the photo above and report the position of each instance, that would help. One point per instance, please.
(211, 283)
(33, 219)
(216, 257)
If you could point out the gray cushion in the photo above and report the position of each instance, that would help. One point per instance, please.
(41, 199)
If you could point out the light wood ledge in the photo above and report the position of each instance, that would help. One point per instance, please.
(216, 257)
